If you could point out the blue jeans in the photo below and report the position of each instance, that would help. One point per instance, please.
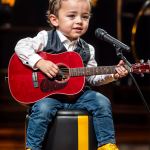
(45, 109)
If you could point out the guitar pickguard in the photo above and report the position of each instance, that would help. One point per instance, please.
(47, 85)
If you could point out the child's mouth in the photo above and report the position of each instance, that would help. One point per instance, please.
(78, 29)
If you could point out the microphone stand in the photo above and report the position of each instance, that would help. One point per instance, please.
(120, 55)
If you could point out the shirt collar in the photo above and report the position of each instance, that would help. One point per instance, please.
(64, 39)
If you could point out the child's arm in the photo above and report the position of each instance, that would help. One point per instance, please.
(97, 80)
(27, 50)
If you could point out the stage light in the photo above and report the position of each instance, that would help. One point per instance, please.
(10, 2)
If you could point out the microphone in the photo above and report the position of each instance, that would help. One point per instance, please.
(102, 34)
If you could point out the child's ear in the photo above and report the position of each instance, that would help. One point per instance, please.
(54, 20)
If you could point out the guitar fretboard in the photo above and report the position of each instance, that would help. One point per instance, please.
(88, 71)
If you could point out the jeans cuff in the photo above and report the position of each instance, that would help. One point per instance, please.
(106, 142)
(33, 148)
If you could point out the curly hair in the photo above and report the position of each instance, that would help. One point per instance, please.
(54, 6)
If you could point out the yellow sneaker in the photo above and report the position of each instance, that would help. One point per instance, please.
(109, 146)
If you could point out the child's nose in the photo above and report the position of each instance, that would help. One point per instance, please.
(79, 20)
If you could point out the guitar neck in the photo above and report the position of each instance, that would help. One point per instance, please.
(88, 71)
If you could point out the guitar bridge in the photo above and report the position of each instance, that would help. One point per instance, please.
(35, 80)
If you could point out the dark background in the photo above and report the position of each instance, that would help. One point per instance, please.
(27, 17)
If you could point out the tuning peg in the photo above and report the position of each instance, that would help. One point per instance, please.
(141, 60)
(148, 60)
(142, 75)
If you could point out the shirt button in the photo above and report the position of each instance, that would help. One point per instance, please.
(27, 63)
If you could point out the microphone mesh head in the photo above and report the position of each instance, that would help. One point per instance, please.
(99, 33)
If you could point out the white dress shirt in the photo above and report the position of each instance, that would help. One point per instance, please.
(27, 50)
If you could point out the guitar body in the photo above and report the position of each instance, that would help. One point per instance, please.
(28, 86)
(21, 81)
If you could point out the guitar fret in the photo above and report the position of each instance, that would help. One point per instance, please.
(104, 70)
(96, 70)
(108, 70)
(78, 71)
(81, 71)
(113, 69)
(87, 72)
(74, 71)
(70, 72)
(101, 70)
(84, 71)
(93, 71)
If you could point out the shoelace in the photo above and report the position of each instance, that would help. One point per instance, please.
(112, 145)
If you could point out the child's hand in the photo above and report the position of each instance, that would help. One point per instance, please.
(47, 67)
(121, 71)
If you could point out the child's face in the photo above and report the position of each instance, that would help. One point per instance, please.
(73, 18)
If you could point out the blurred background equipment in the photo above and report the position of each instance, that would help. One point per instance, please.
(10, 2)
(142, 21)
(6, 11)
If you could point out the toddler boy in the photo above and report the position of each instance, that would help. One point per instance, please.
(70, 20)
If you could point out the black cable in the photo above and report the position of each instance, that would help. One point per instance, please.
(140, 93)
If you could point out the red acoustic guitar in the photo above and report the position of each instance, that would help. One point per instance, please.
(28, 86)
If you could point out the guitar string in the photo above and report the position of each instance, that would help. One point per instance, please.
(66, 69)
(43, 76)
(68, 72)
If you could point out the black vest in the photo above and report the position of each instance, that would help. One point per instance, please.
(55, 46)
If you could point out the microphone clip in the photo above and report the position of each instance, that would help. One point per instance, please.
(120, 55)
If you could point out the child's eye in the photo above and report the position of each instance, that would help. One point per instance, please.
(71, 16)
(85, 17)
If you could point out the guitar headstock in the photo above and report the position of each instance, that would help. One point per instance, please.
(141, 67)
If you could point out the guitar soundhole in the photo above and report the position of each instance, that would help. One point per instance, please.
(62, 74)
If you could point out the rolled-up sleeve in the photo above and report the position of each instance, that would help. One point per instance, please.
(27, 48)
(96, 80)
